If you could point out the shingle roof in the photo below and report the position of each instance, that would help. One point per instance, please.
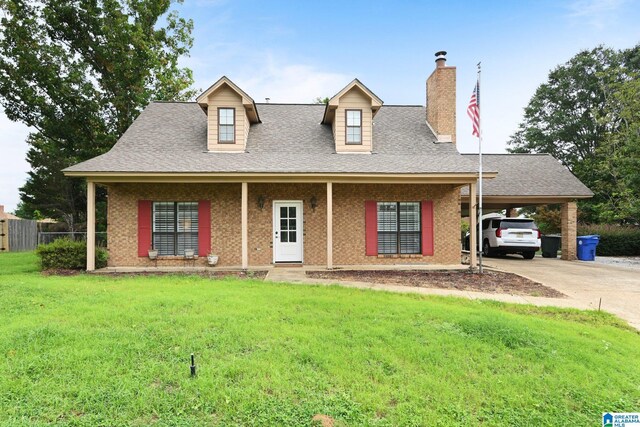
(528, 175)
(172, 137)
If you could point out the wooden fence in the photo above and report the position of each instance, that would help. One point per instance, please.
(23, 235)
(18, 235)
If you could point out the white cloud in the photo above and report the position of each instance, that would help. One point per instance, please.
(597, 13)
(270, 75)
(291, 83)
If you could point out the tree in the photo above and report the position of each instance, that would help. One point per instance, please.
(321, 100)
(79, 72)
(620, 157)
(571, 117)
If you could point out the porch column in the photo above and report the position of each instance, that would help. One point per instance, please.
(473, 226)
(245, 226)
(329, 225)
(91, 226)
(569, 230)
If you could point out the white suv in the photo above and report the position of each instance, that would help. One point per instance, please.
(501, 235)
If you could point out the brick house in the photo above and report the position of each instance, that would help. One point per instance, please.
(352, 182)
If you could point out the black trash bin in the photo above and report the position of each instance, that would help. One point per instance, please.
(550, 245)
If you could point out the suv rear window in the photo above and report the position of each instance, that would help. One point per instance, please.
(528, 225)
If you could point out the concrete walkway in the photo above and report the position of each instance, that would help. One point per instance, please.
(583, 283)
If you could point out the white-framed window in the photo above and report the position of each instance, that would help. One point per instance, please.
(354, 127)
(226, 125)
(399, 228)
(175, 227)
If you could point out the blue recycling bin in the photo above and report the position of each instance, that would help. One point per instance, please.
(587, 247)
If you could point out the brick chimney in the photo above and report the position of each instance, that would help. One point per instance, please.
(441, 99)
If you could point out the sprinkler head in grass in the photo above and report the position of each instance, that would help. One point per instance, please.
(193, 366)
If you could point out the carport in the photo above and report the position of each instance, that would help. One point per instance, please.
(529, 180)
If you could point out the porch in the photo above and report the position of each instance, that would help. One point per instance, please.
(244, 222)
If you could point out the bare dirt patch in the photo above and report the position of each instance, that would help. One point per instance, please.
(323, 420)
(496, 282)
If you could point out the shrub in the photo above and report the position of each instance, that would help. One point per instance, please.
(548, 219)
(615, 240)
(69, 255)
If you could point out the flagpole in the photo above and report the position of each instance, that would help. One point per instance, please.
(480, 239)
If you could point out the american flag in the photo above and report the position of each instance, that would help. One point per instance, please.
(473, 110)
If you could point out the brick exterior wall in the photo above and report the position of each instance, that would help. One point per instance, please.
(441, 101)
(122, 220)
(349, 226)
(314, 222)
(348, 221)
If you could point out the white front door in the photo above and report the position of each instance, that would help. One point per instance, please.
(287, 231)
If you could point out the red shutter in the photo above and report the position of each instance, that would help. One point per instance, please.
(144, 227)
(204, 227)
(427, 227)
(371, 227)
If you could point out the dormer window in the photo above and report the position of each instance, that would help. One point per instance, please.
(226, 125)
(354, 127)
(350, 113)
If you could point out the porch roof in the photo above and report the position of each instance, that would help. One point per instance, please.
(526, 180)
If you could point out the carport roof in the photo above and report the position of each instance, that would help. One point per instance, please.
(528, 176)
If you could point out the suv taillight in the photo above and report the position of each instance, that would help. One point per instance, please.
(498, 232)
(539, 234)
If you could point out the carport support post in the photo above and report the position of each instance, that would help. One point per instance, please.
(569, 230)
(473, 227)
(245, 225)
(91, 226)
(329, 225)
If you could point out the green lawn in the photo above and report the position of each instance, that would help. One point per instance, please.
(94, 350)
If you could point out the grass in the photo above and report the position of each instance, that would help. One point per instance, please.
(95, 350)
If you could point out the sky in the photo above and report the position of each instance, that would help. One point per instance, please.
(294, 51)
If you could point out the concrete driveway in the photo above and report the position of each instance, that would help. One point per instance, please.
(585, 283)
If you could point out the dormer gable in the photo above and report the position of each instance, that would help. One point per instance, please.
(230, 113)
(350, 113)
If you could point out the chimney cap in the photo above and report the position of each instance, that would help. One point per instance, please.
(441, 55)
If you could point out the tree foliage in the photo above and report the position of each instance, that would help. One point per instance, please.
(79, 72)
(577, 116)
(620, 157)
